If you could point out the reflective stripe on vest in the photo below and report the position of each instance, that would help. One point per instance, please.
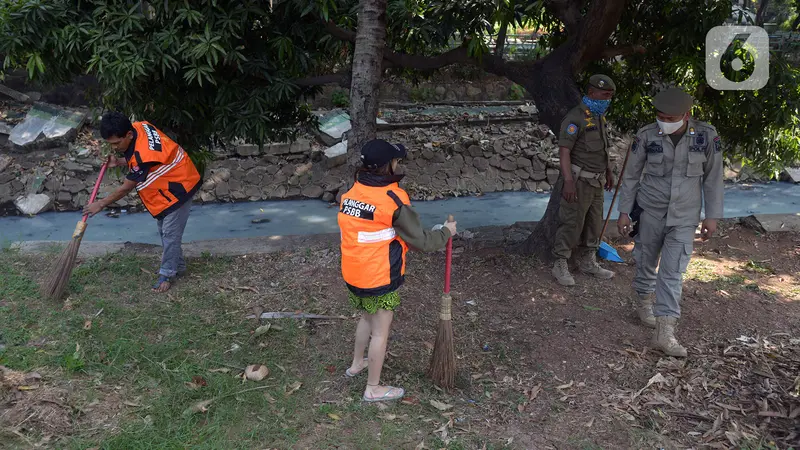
(371, 237)
(373, 255)
(154, 175)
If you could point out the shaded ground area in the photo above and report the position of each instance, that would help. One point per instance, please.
(541, 366)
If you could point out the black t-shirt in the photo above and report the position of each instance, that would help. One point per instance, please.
(139, 171)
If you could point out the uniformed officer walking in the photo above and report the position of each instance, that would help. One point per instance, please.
(683, 169)
(583, 148)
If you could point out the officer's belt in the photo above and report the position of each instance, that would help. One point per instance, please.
(580, 173)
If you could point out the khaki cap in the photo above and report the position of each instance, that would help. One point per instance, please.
(673, 101)
(602, 82)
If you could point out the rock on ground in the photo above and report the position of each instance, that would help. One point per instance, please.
(33, 204)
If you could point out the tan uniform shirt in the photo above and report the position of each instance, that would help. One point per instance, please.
(586, 135)
(677, 180)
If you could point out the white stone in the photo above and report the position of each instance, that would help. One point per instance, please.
(336, 155)
(794, 174)
(33, 204)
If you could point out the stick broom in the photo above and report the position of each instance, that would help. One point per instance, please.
(442, 368)
(55, 284)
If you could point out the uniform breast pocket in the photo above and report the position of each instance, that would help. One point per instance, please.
(594, 141)
(694, 168)
(655, 164)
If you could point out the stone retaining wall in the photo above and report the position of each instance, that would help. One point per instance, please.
(450, 161)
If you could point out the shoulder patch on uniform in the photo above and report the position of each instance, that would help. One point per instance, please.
(357, 209)
(572, 129)
(717, 144)
(635, 146)
(153, 138)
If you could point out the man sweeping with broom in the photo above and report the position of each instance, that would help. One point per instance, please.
(164, 177)
(378, 225)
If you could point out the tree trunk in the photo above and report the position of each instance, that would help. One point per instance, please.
(367, 73)
(554, 93)
(762, 8)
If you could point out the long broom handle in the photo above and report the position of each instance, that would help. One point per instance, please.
(614, 198)
(448, 261)
(97, 186)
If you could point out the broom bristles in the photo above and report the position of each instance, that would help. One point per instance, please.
(442, 369)
(55, 285)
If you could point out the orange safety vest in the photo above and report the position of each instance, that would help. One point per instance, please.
(170, 183)
(373, 255)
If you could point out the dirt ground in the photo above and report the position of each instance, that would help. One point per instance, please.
(543, 366)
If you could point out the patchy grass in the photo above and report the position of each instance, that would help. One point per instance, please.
(758, 267)
(540, 366)
(135, 357)
(702, 270)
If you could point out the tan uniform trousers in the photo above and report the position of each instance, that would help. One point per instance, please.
(580, 223)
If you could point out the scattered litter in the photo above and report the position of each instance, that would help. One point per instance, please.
(47, 122)
(256, 372)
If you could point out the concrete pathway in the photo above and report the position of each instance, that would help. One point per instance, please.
(310, 217)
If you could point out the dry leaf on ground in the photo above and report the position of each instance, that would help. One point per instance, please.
(292, 388)
(199, 407)
(440, 406)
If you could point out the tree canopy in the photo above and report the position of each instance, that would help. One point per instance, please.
(217, 70)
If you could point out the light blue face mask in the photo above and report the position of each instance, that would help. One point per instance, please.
(598, 107)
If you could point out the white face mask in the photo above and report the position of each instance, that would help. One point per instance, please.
(670, 127)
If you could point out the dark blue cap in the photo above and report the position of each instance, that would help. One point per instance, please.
(378, 153)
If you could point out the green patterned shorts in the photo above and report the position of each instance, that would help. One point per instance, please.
(371, 305)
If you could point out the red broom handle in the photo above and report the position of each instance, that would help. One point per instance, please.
(97, 185)
(448, 262)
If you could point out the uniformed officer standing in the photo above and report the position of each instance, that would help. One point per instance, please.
(683, 169)
(583, 148)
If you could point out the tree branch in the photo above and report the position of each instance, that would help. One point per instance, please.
(454, 56)
(568, 12)
(397, 59)
(516, 71)
(625, 50)
(601, 20)
(342, 79)
(339, 33)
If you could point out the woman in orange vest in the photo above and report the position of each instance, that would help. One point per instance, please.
(163, 176)
(378, 226)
